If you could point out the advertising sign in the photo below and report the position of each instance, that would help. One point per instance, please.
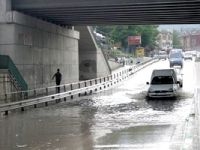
(140, 52)
(134, 40)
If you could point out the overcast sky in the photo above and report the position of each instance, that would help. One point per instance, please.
(179, 27)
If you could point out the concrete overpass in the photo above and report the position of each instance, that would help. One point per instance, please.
(90, 12)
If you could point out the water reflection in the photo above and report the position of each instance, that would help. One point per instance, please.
(162, 104)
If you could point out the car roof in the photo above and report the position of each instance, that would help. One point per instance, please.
(163, 72)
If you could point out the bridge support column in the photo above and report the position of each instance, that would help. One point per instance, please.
(92, 63)
(5, 8)
(38, 48)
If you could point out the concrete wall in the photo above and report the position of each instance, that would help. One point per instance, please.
(5, 7)
(92, 62)
(38, 48)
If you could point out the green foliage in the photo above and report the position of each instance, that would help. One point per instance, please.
(120, 33)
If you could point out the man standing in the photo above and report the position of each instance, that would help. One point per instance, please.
(58, 77)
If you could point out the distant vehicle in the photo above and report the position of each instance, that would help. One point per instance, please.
(187, 56)
(176, 50)
(163, 83)
(176, 58)
(194, 53)
(162, 55)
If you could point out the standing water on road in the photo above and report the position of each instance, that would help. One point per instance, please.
(119, 119)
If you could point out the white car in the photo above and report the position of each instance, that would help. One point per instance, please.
(162, 55)
(187, 56)
(163, 83)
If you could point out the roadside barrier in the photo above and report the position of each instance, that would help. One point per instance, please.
(78, 89)
(196, 136)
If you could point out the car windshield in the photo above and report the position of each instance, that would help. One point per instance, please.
(162, 80)
(175, 55)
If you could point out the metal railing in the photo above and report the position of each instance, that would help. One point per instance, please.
(7, 63)
(45, 95)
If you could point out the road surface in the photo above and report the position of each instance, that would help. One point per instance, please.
(117, 119)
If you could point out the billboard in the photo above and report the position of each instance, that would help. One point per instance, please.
(140, 52)
(134, 40)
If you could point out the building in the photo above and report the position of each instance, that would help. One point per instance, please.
(165, 40)
(191, 41)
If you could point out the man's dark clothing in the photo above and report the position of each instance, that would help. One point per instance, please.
(58, 77)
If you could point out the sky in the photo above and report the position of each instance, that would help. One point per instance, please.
(179, 27)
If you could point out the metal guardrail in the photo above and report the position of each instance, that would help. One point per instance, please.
(73, 89)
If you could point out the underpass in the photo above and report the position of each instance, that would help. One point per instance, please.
(118, 118)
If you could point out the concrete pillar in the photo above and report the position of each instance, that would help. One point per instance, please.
(38, 48)
(5, 7)
(92, 63)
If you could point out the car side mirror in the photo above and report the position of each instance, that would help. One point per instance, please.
(177, 82)
(147, 83)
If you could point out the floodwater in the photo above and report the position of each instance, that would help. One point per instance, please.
(117, 119)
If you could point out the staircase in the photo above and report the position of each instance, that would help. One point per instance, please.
(10, 78)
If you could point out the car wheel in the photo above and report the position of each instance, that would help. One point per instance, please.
(181, 85)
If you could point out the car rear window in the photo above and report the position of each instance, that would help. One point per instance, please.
(162, 80)
(175, 55)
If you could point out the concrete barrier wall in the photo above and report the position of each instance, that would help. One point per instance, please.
(92, 63)
(38, 48)
(196, 136)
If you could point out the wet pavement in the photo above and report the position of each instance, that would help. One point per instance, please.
(117, 119)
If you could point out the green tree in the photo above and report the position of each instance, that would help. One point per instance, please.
(120, 33)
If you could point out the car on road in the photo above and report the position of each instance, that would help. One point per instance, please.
(163, 83)
(176, 58)
(162, 55)
(187, 56)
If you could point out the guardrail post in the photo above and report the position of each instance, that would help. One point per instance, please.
(22, 108)
(104, 82)
(90, 82)
(35, 94)
(6, 112)
(71, 86)
(6, 97)
(46, 91)
(79, 86)
(111, 78)
(64, 91)
(108, 79)
(21, 95)
(95, 81)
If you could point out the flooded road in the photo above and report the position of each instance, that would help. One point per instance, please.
(117, 119)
